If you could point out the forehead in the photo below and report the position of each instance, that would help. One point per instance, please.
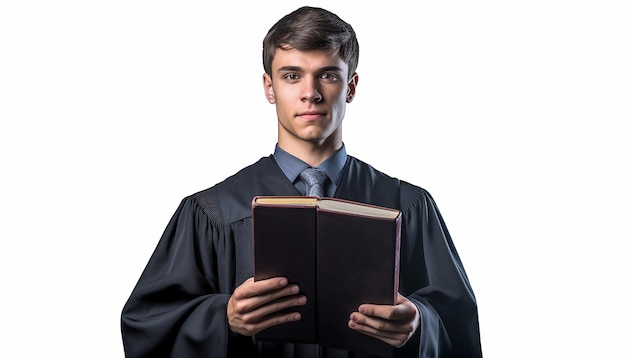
(307, 60)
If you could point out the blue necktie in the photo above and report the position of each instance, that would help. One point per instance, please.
(314, 179)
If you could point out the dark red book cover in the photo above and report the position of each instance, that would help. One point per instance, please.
(285, 245)
(357, 263)
(341, 253)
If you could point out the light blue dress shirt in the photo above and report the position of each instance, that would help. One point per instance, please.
(292, 166)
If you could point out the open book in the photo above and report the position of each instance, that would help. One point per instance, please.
(341, 253)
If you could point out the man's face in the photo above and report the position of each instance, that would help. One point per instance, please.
(310, 90)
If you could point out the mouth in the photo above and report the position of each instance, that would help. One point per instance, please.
(311, 115)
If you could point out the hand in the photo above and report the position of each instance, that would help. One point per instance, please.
(253, 305)
(391, 324)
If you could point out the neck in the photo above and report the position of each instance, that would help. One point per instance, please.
(312, 153)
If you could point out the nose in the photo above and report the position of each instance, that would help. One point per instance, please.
(310, 91)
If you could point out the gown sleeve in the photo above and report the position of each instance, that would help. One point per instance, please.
(433, 278)
(176, 309)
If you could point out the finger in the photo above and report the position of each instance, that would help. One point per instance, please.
(273, 309)
(251, 288)
(403, 310)
(245, 320)
(274, 320)
(380, 326)
(269, 309)
(396, 339)
(248, 304)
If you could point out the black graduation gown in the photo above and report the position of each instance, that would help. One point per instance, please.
(178, 307)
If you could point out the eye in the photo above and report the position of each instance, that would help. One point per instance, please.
(291, 76)
(329, 76)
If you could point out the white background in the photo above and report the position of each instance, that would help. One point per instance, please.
(509, 112)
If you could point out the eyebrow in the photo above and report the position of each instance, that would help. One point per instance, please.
(299, 69)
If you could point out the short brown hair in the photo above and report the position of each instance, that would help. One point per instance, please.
(312, 29)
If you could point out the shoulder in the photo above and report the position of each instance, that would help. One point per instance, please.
(413, 196)
(410, 195)
(365, 173)
(229, 200)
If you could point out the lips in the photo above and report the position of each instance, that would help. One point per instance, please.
(311, 115)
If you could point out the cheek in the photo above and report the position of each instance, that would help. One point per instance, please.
(283, 98)
(339, 106)
(338, 96)
(280, 104)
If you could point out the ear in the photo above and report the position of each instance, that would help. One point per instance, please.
(352, 87)
(269, 89)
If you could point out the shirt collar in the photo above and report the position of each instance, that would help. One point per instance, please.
(292, 166)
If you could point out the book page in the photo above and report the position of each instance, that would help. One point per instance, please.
(286, 200)
(357, 208)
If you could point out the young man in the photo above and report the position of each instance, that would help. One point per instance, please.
(197, 297)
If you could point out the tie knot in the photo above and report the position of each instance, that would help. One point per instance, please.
(314, 179)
